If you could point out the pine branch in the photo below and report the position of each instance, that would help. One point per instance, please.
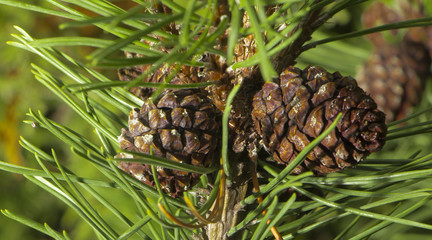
(387, 190)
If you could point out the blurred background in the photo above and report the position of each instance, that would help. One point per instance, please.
(19, 91)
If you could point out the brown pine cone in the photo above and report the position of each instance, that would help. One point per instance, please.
(290, 113)
(186, 74)
(396, 72)
(395, 77)
(181, 125)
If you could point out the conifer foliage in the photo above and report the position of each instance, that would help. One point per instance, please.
(210, 129)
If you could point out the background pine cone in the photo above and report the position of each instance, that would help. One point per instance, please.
(399, 66)
(395, 77)
(181, 125)
(290, 113)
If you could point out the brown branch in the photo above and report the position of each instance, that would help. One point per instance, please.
(307, 26)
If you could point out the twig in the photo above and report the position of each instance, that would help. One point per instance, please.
(307, 26)
(256, 187)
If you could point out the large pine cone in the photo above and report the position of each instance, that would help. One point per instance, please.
(181, 125)
(289, 114)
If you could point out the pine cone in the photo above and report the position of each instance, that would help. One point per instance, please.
(396, 72)
(185, 74)
(395, 77)
(181, 125)
(289, 114)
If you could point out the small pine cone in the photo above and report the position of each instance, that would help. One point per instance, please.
(214, 69)
(162, 8)
(246, 46)
(181, 125)
(185, 74)
(289, 114)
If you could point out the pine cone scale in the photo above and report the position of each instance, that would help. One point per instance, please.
(315, 122)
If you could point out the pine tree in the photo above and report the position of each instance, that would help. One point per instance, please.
(207, 123)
